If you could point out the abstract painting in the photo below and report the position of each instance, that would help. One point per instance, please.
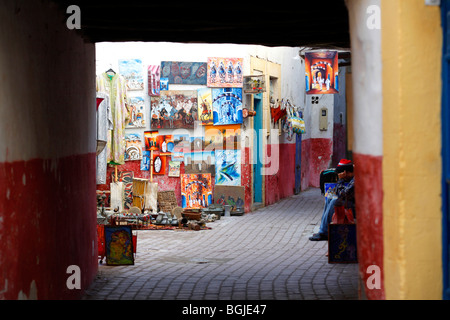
(205, 106)
(227, 106)
(174, 109)
(196, 191)
(119, 245)
(133, 146)
(225, 72)
(184, 72)
(154, 75)
(321, 72)
(199, 162)
(229, 195)
(228, 167)
(136, 112)
(132, 71)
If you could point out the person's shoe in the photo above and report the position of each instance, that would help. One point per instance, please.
(318, 237)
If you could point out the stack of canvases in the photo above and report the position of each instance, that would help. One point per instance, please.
(207, 164)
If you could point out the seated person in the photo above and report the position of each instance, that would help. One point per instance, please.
(343, 194)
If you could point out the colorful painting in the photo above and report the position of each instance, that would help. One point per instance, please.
(225, 72)
(184, 72)
(227, 106)
(228, 167)
(196, 191)
(174, 168)
(127, 178)
(205, 106)
(119, 245)
(321, 72)
(223, 137)
(136, 112)
(181, 143)
(150, 139)
(174, 109)
(154, 75)
(145, 162)
(230, 195)
(163, 84)
(132, 71)
(159, 164)
(199, 162)
(165, 144)
(133, 146)
(197, 143)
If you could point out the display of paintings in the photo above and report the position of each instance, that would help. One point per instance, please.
(159, 164)
(321, 72)
(150, 139)
(132, 71)
(228, 167)
(163, 84)
(225, 72)
(223, 137)
(165, 144)
(196, 191)
(133, 148)
(205, 106)
(184, 72)
(199, 162)
(227, 106)
(174, 109)
(136, 112)
(230, 195)
(145, 162)
(154, 75)
(119, 245)
(174, 168)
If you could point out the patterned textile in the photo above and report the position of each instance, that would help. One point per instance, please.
(116, 88)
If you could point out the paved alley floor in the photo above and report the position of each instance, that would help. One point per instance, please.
(262, 255)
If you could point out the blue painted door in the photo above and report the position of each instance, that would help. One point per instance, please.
(257, 149)
(445, 11)
(298, 162)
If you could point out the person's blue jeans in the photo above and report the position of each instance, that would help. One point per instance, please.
(327, 214)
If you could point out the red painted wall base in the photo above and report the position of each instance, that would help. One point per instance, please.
(369, 217)
(47, 223)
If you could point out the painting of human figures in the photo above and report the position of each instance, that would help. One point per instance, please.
(322, 72)
(227, 106)
(225, 72)
(174, 109)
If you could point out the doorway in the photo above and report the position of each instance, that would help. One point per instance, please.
(257, 150)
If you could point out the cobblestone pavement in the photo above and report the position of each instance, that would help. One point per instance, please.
(262, 255)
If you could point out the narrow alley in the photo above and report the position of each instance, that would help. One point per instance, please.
(262, 255)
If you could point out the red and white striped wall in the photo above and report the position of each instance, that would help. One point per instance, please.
(47, 154)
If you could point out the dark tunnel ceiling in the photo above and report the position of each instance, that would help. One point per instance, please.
(321, 24)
